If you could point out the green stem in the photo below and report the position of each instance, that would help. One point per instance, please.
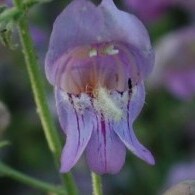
(97, 184)
(37, 86)
(7, 171)
(38, 89)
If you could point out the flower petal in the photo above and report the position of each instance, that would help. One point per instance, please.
(105, 152)
(125, 27)
(78, 128)
(73, 27)
(124, 128)
(111, 25)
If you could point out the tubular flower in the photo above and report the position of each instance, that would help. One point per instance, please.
(97, 59)
(150, 11)
(175, 56)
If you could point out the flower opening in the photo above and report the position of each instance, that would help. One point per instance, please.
(87, 68)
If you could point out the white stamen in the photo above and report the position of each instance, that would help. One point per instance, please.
(92, 53)
(111, 50)
(106, 104)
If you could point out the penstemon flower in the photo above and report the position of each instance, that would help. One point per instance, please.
(150, 11)
(97, 60)
(175, 56)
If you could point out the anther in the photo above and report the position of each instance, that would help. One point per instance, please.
(92, 53)
(111, 50)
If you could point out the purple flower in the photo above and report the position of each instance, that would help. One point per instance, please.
(97, 59)
(39, 36)
(175, 56)
(149, 11)
(9, 3)
(189, 5)
(180, 172)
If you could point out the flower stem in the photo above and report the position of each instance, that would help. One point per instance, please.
(37, 86)
(38, 89)
(97, 184)
(7, 171)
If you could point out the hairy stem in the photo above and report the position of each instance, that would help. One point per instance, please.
(36, 79)
(37, 87)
